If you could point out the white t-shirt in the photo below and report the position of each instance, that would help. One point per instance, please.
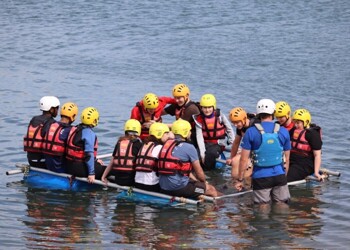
(149, 178)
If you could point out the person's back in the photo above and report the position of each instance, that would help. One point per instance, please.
(55, 142)
(180, 173)
(37, 129)
(146, 164)
(122, 163)
(267, 142)
(82, 147)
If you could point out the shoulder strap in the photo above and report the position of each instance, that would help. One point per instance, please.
(277, 127)
(260, 128)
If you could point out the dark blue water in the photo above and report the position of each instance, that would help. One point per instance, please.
(108, 54)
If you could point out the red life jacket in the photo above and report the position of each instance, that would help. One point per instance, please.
(290, 126)
(123, 159)
(52, 144)
(33, 140)
(299, 143)
(212, 128)
(170, 165)
(146, 117)
(75, 145)
(145, 162)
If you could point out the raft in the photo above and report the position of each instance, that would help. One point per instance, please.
(46, 179)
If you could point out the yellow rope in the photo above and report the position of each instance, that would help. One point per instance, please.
(26, 169)
(130, 191)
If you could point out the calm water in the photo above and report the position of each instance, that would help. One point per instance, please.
(108, 54)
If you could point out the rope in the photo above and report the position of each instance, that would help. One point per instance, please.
(71, 180)
(130, 191)
(26, 170)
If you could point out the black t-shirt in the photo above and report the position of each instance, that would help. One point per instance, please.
(190, 109)
(252, 120)
(313, 136)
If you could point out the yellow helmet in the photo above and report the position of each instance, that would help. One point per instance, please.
(303, 115)
(181, 127)
(90, 116)
(180, 90)
(150, 101)
(158, 129)
(208, 100)
(133, 125)
(70, 110)
(282, 109)
(238, 114)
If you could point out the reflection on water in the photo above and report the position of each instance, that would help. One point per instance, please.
(160, 228)
(60, 218)
(280, 225)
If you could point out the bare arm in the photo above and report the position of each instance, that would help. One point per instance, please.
(286, 160)
(107, 170)
(243, 163)
(234, 149)
(242, 167)
(235, 145)
(317, 163)
(198, 171)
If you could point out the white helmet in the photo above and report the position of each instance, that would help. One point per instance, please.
(48, 102)
(266, 106)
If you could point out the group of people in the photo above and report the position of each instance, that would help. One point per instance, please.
(272, 152)
(172, 158)
(58, 145)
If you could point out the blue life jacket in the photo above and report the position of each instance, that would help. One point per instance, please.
(270, 152)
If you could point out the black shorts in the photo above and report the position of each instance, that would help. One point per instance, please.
(269, 182)
(192, 190)
(77, 168)
(298, 172)
(152, 188)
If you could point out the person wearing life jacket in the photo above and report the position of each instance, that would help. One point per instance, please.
(122, 164)
(184, 108)
(305, 156)
(242, 121)
(55, 141)
(283, 115)
(213, 132)
(37, 128)
(180, 173)
(82, 145)
(268, 142)
(149, 110)
(146, 164)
